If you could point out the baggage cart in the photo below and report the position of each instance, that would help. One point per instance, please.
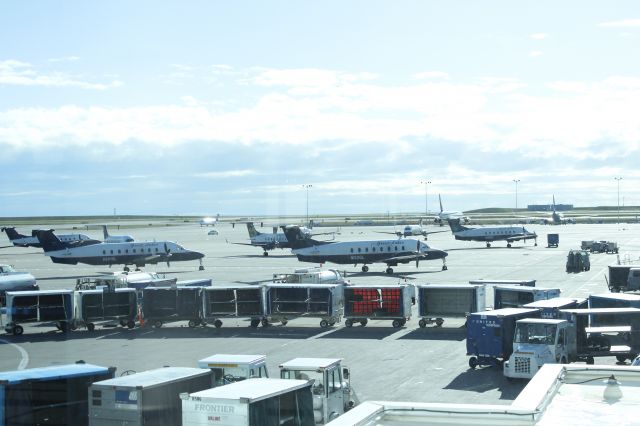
(286, 301)
(389, 302)
(578, 260)
(553, 240)
(116, 306)
(490, 334)
(233, 302)
(39, 306)
(437, 301)
(150, 398)
(161, 305)
(509, 296)
(55, 395)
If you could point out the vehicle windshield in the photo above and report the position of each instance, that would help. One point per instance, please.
(535, 333)
(317, 377)
(6, 269)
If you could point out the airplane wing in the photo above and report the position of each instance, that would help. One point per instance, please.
(398, 233)
(521, 237)
(406, 258)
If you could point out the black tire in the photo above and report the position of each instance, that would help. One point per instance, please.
(64, 327)
(444, 267)
(473, 362)
(265, 254)
(217, 323)
(18, 330)
(621, 358)
(324, 323)
(348, 323)
(265, 322)
(590, 360)
(563, 360)
(439, 322)
(192, 323)
(284, 321)
(364, 322)
(123, 323)
(422, 323)
(396, 323)
(255, 323)
(200, 268)
(131, 324)
(157, 324)
(389, 271)
(91, 326)
(365, 268)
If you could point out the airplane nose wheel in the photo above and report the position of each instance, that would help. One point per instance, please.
(201, 267)
(365, 268)
(444, 266)
(389, 270)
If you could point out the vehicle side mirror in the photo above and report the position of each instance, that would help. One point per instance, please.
(345, 373)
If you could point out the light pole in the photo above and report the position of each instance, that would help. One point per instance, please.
(618, 179)
(307, 189)
(426, 198)
(516, 182)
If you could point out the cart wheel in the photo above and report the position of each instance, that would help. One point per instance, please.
(324, 323)
(64, 327)
(18, 330)
(123, 323)
(265, 322)
(439, 322)
(403, 322)
(422, 323)
(348, 323)
(590, 360)
(200, 268)
(58, 325)
(332, 323)
(563, 360)
(131, 324)
(473, 362)
(396, 323)
(255, 323)
(192, 323)
(284, 321)
(217, 323)
(364, 322)
(157, 324)
(91, 326)
(621, 358)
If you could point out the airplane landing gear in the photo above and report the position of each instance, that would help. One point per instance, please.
(488, 245)
(126, 269)
(389, 270)
(509, 245)
(201, 267)
(365, 268)
(265, 253)
(444, 265)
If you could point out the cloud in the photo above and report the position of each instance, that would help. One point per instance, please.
(535, 53)
(225, 174)
(430, 75)
(65, 59)
(624, 23)
(17, 73)
(539, 36)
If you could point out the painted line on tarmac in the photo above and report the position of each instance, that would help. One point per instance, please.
(25, 356)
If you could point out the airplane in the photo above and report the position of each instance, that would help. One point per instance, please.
(274, 240)
(556, 218)
(391, 252)
(19, 240)
(135, 253)
(443, 216)
(491, 233)
(412, 230)
(115, 238)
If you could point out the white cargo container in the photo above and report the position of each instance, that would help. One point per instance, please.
(252, 402)
(230, 368)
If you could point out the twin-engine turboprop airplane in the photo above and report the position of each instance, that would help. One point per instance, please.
(491, 233)
(17, 239)
(133, 253)
(391, 252)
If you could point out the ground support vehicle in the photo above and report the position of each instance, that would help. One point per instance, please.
(578, 261)
(332, 392)
(54, 395)
(233, 368)
(133, 279)
(604, 247)
(389, 302)
(437, 301)
(287, 301)
(39, 306)
(252, 402)
(310, 276)
(168, 304)
(490, 334)
(509, 296)
(553, 240)
(624, 278)
(232, 302)
(118, 306)
(550, 308)
(586, 245)
(587, 334)
(149, 398)
(614, 300)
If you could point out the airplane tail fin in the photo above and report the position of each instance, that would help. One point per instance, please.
(49, 240)
(440, 199)
(252, 230)
(105, 232)
(455, 226)
(297, 239)
(12, 233)
(554, 202)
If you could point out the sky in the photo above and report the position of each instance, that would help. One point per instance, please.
(234, 108)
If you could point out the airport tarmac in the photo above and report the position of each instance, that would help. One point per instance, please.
(406, 364)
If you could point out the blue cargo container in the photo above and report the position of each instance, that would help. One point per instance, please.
(509, 296)
(550, 308)
(49, 395)
(490, 334)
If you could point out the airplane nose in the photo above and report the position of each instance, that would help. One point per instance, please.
(438, 254)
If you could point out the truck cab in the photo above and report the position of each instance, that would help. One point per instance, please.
(537, 342)
(234, 368)
(633, 280)
(332, 393)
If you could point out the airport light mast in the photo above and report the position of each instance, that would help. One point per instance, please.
(618, 179)
(426, 198)
(307, 186)
(516, 182)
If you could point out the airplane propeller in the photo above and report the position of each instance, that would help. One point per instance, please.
(418, 251)
(168, 253)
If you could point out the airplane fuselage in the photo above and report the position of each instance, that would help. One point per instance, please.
(510, 233)
(33, 241)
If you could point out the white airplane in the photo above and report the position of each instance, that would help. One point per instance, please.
(208, 221)
(491, 233)
(20, 240)
(391, 252)
(98, 253)
(115, 238)
(412, 231)
(557, 218)
(274, 240)
(444, 216)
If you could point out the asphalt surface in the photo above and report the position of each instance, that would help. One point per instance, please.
(406, 364)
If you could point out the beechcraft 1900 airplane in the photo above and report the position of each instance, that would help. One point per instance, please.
(17, 239)
(108, 238)
(491, 233)
(391, 252)
(133, 253)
